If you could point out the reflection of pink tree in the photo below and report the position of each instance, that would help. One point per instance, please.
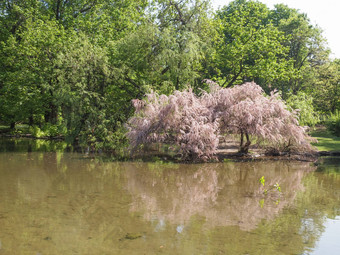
(179, 196)
(223, 195)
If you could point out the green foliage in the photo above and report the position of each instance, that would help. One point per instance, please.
(250, 47)
(275, 187)
(306, 48)
(262, 180)
(36, 131)
(327, 90)
(47, 130)
(303, 103)
(72, 67)
(333, 123)
(27, 78)
(19, 129)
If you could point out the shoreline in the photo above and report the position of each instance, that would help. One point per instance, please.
(226, 153)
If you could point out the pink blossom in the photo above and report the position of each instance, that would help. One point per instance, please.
(193, 124)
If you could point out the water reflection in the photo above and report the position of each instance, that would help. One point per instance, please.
(224, 194)
(31, 145)
(57, 203)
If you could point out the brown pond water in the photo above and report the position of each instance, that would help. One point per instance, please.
(69, 203)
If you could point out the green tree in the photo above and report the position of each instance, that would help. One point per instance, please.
(82, 79)
(327, 87)
(38, 41)
(97, 18)
(303, 103)
(27, 78)
(306, 47)
(182, 41)
(162, 54)
(250, 46)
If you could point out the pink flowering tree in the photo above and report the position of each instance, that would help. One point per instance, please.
(247, 111)
(192, 124)
(180, 120)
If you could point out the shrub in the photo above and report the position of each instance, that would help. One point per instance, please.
(333, 123)
(303, 103)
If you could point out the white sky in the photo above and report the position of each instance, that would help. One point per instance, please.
(325, 14)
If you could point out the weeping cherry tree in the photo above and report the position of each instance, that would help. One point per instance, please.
(245, 110)
(193, 124)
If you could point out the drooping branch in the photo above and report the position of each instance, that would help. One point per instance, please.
(197, 121)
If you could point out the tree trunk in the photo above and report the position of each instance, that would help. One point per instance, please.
(51, 115)
(244, 148)
(30, 120)
(241, 143)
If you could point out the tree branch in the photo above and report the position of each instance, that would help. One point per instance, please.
(57, 11)
(235, 76)
(180, 14)
(165, 70)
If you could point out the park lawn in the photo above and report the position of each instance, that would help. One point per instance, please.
(326, 140)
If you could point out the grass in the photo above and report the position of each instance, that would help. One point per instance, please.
(4, 129)
(19, 129)
(326, 140)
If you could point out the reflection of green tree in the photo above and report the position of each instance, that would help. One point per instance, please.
(31, 145)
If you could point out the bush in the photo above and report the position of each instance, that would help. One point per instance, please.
(246, 111)
(303, 103)
(48, 129)
(333, 123)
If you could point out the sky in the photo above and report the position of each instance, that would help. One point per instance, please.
(323, 13)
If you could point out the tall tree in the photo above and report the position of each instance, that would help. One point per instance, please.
(163, 53)
(27, 80)
(182, 41)
(250, 45)
(327, 87)
(306, 46)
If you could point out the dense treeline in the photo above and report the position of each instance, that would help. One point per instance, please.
(72, 67)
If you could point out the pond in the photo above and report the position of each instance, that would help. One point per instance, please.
(55, 202)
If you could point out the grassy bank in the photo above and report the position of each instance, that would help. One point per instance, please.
(326, 140)
(19, 129)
